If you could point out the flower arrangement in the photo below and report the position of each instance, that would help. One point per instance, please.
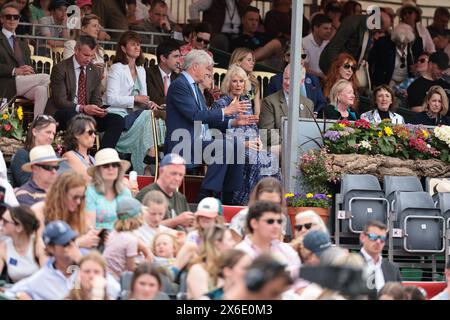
(11, 123)
(318, 200)
(441, 142)
(362, 137)
(316, 169)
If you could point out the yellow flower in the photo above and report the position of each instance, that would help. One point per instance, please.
(20, 113)
(388, 131)
(341, 125)
(425, 134)
(5, 116)
(309, 195)
(380, 134)
(288, 195)
(329, 196)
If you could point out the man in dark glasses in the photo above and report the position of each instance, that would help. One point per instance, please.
(264, 221)
(43, 165)
(380, 270)
(18, 76)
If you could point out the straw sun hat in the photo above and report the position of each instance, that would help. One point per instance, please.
(105, 156)
(41, 154)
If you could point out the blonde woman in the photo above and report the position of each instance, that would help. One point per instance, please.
(245, 58)
(342, 99)
(258, 162)
(106, 188)
(435, 108)
(66, 201)
(304, 222)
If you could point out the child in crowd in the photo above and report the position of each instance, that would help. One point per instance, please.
(209, 212)
(123, 246)
(156, 207)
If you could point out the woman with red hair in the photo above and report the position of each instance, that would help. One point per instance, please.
(344, 67)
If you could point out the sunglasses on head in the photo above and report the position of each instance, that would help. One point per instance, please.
(48, 167)
(202, 40)
(108, 165)
(374, 237)
(307, 226)
(272, 221)
(45, 117)
(349, 66)
(12, 16)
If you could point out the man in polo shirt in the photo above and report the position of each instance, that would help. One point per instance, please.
(43, 166)
(264, 224)
(172, 170)
(55, 280)
(315, 42)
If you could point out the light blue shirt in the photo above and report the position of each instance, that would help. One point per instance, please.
(8, 34)
(443, 295)
(51, 284)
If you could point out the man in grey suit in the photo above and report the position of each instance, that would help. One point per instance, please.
(76, 88)
(380, 270)
(17, 76)
(275, 106)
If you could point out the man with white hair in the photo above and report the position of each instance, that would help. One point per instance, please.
(190, 116)
(391, 57)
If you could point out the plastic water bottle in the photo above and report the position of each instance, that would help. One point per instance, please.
(133, 183)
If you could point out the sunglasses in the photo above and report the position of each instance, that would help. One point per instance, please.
(91, 132)
(48, 167)
(272, 221)
(304, 55)
(109, 165)
(423, 60)
(349, 66)
(76, 198)
(202, 40)
(307, 226)
(402, 62)
(374, 237)
(45, 117)
(12, 16)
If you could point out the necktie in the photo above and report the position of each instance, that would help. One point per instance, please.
(18, 51)
(82, 87)
(205, 127)
(166, 85)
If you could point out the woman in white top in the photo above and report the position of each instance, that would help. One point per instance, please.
(126, 94)
(22, 253)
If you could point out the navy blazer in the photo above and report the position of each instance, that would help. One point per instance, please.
(312, 85)
(182, 110)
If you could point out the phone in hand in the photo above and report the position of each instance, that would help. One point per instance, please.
(105, 106)
(102, 235)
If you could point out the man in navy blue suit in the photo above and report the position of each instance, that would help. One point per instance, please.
(186, 110)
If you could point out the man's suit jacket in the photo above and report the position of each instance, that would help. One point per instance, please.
(348, 38)
(274, 107)
(63, 86)
(184, 109)
(155, 87)
(8, 62)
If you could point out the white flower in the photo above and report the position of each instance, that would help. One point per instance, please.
(366, 145)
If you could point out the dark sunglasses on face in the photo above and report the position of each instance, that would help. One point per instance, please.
(374, 237)
(307, 226)
(348, 66)
(423, 60)
(304, 55)
(47, 167)
(12, 16)
(202, 40)
(108, 165)
(272, 221)
(91, 132)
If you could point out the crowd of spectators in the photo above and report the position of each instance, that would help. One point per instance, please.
(73, 226)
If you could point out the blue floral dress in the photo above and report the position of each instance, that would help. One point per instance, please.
(258, 164)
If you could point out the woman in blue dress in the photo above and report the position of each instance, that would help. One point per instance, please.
(259, 163)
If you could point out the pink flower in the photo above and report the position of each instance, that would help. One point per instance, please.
(7, 127)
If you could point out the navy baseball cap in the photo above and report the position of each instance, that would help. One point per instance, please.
(172, 158)
(58, 233)
(317, 241)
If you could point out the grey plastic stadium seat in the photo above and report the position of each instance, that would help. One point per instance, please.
(395, 183)
(442, 202)
(363, 198)
(421, 223)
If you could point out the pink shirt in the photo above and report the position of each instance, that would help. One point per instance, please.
(120, 246)
(281, 251)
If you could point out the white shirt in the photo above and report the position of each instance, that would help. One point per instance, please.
(163, 74)
(313, 51)
(374, 268)
(147, 233)
(400, 74)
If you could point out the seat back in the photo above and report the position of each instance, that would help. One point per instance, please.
(395, 183)
(263, 79)
(42, 64)
(359, 182)
(150, 60)
(442, 202)
(109, 56)
(57, 54)
(423, 234)
(219, 74)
